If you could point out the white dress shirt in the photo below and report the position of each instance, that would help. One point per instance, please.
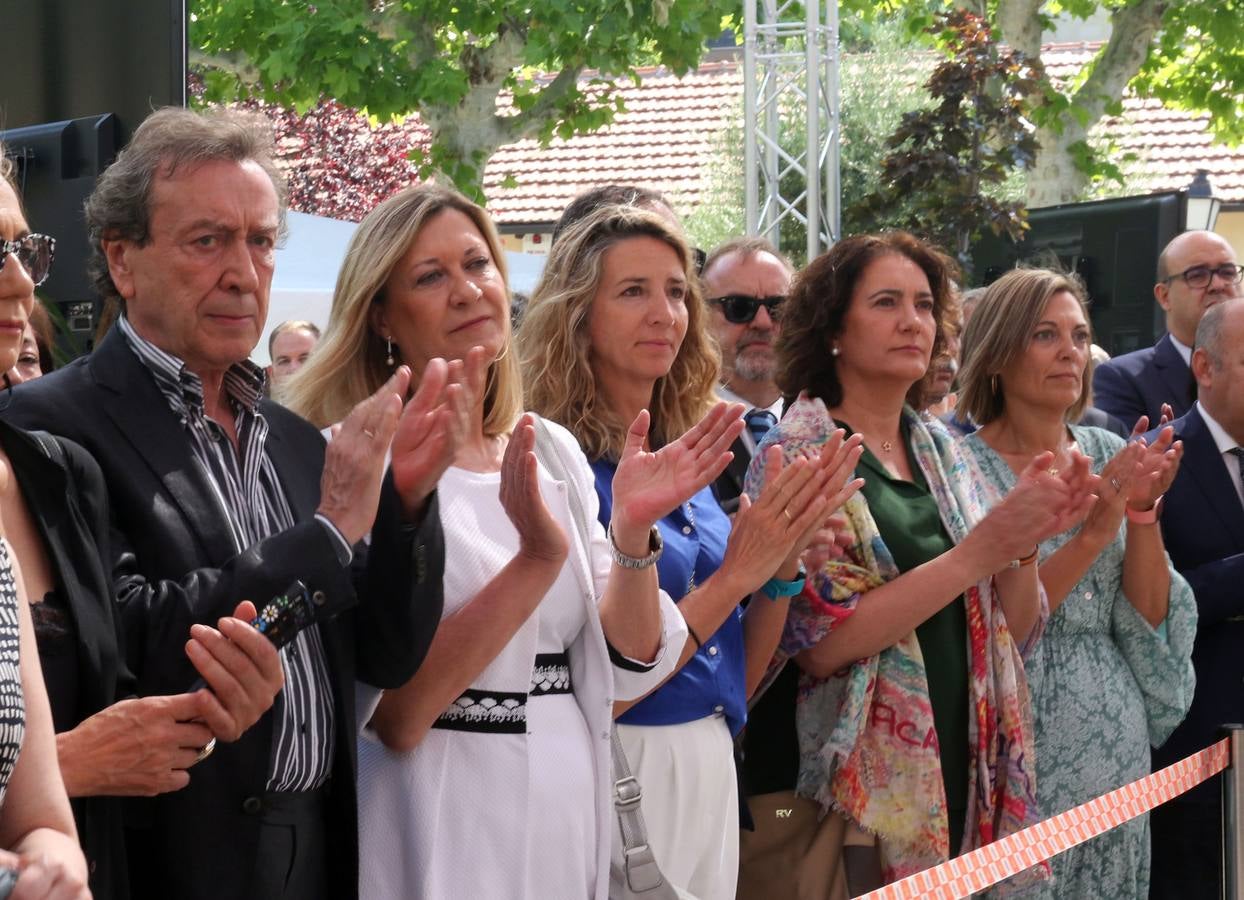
(1225, 444)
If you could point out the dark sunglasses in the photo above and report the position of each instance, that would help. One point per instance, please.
(34, 252)
(740, 309)
(1200, 276)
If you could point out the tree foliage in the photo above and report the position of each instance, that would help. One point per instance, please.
(943, 160)
(479, 74)
(1189, 54)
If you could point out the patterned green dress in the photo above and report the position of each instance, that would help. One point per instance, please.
(1105, 686)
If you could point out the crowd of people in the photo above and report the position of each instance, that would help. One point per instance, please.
(696, 576)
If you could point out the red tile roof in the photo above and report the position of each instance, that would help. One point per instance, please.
(1170, 144)
(664, 140)
(340, 165)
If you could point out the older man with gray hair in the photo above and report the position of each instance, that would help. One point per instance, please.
(1202, 516)
(218, 495)
(745, 283)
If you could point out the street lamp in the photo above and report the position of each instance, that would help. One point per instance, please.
(1201, 209)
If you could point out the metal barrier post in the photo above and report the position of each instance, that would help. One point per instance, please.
(1233, 817)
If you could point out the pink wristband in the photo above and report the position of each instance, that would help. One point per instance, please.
(1145, 516)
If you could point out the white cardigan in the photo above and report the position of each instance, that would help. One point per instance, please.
(597, 682)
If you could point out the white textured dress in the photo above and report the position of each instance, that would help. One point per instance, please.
(509, 795)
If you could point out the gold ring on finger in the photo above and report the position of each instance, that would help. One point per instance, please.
(786, 512)
(205, 752)
(370, 434)
(1116, 484)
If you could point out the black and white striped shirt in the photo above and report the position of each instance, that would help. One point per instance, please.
(251, 499)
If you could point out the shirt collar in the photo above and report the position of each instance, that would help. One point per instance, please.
(243, 382)
(1223, 441)
(731, 397)
(1184, 350)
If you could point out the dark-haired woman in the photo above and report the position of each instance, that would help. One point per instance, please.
(913, 716)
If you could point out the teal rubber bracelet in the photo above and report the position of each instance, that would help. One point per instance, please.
(776, 587)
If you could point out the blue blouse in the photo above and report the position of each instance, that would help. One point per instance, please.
(712, 681)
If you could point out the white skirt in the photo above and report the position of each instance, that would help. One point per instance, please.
(690, 802)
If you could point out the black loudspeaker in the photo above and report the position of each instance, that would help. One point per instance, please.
(1113, 245)
(79, 76)
(56, 168)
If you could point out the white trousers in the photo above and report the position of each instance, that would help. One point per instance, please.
(690, 803)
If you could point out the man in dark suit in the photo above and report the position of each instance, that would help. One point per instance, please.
(218, 495)
(1195, 270)
(745, 281)
(1203, 527)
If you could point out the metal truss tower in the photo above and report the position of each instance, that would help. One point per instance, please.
(790, 64)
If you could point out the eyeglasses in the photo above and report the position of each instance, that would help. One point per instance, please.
(34, 252)
(740, 309)
(1201, 276)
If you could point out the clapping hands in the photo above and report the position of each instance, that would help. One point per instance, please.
(647, 485)
(1044, 502)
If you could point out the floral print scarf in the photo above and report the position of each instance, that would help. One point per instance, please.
(868, 748)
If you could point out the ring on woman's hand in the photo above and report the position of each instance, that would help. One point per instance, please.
(1116, 484)
(369, 433)
(1053, 470)
(786, 512)
(205, 752)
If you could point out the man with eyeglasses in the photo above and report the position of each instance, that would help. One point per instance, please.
(745, 282)
(1195, 271)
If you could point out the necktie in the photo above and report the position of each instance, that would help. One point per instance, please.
(1238, 453)
(758, 422)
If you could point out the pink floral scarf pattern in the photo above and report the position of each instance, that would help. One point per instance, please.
(867, 743)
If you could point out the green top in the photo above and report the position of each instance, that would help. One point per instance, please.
(908, 521)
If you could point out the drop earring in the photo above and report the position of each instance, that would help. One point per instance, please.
(833, 351)
(389, 348)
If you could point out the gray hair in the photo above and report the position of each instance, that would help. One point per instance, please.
(169, 139)
(1209, 332)
(747, 246)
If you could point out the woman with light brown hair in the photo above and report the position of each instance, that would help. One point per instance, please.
(617, 324)
(498, 750)
(1114, 666)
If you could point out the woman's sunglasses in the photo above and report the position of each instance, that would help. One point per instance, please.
(739, 309)
(34, 252)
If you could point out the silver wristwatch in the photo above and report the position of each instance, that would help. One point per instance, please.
(655, 546)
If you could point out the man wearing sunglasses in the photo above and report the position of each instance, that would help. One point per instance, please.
(1195, 271)
(745, 282)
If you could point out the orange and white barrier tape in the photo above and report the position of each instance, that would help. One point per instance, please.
(986, 866)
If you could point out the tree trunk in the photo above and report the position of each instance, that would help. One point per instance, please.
(1055, 177)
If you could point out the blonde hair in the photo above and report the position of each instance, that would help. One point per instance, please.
(998, 332)
(554, 347)
(349, 362)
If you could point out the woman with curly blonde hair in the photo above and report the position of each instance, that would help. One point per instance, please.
(616, 325)
(499, 747)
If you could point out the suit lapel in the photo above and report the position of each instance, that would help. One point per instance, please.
(303, 493)
(52, 506)
(1203, 464)
(1176, 377)
(142, 417)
